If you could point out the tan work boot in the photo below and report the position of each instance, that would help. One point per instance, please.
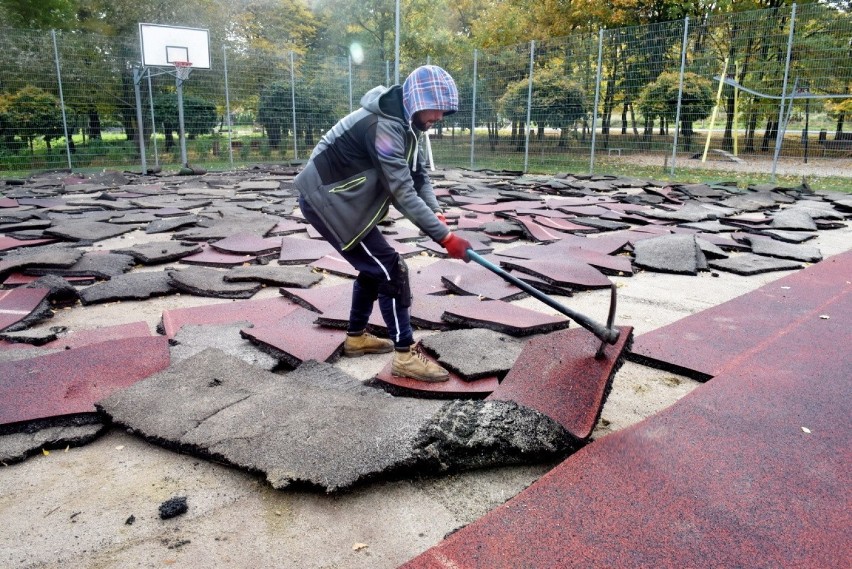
(365, 343)
(413, 364)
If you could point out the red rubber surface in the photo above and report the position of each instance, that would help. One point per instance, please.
(748, 470)
(558, 374)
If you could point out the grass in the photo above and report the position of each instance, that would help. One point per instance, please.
(545, 157)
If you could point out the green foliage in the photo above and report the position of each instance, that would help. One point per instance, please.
(199, 115)
(556, 101)
(314, 110)
(44, 14)
(659, 98)
(29, 113)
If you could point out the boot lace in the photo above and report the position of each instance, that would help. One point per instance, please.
(417, 352)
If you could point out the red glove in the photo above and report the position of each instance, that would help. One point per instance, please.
(457, 247)
(441, 218)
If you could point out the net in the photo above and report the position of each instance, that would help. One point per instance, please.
(182, 69)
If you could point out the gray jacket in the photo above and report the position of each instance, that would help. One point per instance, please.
(366, 162)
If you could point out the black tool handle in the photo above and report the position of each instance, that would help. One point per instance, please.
(606, 334)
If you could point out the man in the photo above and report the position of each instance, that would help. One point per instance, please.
(366, 162)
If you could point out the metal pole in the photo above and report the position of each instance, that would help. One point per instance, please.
(780, 135)
(350, 83)
(153, 119)
(137, 77)
(679, 92)
(529, 108)
(228, 107)
(473, 109)
(597, 101)
(396, 47)
(179, 85)
(293, 101)
(61, 99)
(806, 134)
(736, 107)
(715, 110)
(387, 72)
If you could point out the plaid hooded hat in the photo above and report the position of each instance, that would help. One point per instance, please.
(429, 87)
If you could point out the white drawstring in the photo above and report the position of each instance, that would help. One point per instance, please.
(416, 148)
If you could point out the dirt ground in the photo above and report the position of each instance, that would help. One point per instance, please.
(817, 166)
(97, 505)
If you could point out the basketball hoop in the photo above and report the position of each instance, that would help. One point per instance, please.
(182, 69)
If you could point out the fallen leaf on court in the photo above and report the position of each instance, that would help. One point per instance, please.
(806, 430)
(45, 452)
(359, 546)
(824, 316)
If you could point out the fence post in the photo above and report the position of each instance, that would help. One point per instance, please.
(529, 108)
(779, 138)
(680, 92)
(153, 119)
(473, 109)
(228, 107)
(61, 99)
(396, 45)
(597, 102)
(137, 78)
(293, 101)
(350, 83)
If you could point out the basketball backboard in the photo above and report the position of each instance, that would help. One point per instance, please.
(161, 46)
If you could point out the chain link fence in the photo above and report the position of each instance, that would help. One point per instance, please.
(759, 92)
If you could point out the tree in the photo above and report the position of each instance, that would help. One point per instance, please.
(557, 102)
(199, 116)
(659, 100)
(41, 15)
(313, 110)
(29, 113)
(369, 22)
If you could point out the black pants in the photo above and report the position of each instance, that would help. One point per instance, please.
(382, 276)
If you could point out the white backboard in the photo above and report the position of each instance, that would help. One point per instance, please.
(161, 46)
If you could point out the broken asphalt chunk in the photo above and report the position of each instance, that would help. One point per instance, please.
(159, 252)
(131, 286)
(502, 317)
(203, 281)
(751, 264)
(288, 427)
(476, 353)
(675, 253)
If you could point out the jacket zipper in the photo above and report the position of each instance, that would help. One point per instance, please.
(348, 185)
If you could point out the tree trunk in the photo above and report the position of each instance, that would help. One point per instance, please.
(751, 128)
(94, 123)
(687, 131)
(728, 137)
(769, 134)
(609, 97)
(633, 120)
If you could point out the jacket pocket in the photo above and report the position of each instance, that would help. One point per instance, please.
(349, 185)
